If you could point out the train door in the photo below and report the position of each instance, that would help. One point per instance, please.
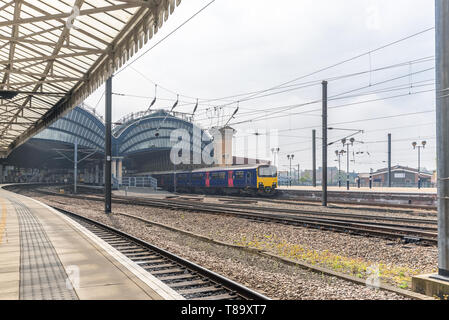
(207, 179)
(249, 176)
(231, 179)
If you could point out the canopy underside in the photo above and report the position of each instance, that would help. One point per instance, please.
(55, 53)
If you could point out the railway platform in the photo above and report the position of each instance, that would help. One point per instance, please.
(393, 190)
(45, 255)
(424, 198)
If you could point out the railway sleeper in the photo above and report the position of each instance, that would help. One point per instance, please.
(171, 271)
(114, 240)
(225, 296)
(130, 251)
(182, 284)
(159, 267)
(200, 290)
(144, 255)
(149, 262)
(177, 277)
(408, 239)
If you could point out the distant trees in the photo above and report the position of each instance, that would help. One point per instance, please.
(306, 177)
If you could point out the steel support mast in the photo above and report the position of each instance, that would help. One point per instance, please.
(442, 115)
(314, 158)
(75, 168)
(389, 161)
(108, 147)
(324, 169)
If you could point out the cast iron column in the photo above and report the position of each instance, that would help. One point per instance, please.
(108, 147)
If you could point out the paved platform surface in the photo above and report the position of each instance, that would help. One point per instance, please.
(374, 190)
(45, 255)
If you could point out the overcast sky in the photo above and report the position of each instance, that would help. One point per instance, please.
(241, 46)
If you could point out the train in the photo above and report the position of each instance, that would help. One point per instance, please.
(242, 180)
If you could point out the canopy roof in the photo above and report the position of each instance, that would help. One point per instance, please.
(55, 53)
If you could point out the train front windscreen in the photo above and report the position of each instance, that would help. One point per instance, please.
(268, 172)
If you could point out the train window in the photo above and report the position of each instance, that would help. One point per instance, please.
(197, 176)
(268, 171)
(218, 175)
(240, 175)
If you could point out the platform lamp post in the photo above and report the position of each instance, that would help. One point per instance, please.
(339, 154)
(290, 157)
(415, 146)
(347, 145)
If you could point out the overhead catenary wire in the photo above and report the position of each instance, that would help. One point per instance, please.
(346, 61)
(291, 107)
(316, 82)
(291, 81)
(365, 120)
(342, 94)
(296, 87)
(285, 89)
(165, 37)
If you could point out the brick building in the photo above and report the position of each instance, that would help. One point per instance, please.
(400, 177)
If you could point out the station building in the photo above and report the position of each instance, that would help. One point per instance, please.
(141, 143)
(400, 177)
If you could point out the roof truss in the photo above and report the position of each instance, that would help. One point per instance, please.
(67, 48)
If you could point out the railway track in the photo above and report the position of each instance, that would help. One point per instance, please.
(407, 233)
(354, 224)
(381, 200)
(187, 200)
(366, 206)
(316, 213)
(190, 280)
(314, 199)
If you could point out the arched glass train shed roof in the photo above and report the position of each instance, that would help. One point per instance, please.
(50, 62)
(151, 132)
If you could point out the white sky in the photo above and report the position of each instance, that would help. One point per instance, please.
(237, 46)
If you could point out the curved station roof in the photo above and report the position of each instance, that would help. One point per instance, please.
(55, 53)
(150, 132)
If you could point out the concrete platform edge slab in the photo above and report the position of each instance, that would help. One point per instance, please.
(158, 286)
(431, 286)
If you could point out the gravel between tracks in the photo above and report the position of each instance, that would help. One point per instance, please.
(276, 280)
(415, 214)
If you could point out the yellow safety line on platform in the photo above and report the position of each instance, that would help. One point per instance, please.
(3, 220)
